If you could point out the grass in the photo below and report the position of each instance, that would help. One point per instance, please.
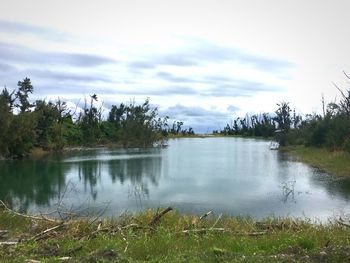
(175, 238)
(335, 163)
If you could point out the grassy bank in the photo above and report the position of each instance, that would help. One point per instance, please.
(170, 238)
(335, 163)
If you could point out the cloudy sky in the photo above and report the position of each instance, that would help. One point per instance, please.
(200, 61)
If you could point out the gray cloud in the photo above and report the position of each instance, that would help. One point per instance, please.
(202, 120)
(172, 78)
(65, 76)
(205, 52)
(180, 110)
(238, 89)
(24, 55)
(6, 67)
(232, 108)
(151, 91)
(43, 32)
(218, 86)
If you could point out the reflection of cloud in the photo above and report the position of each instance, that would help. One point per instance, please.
(24, 55)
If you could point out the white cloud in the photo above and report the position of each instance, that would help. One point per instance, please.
(247, 54)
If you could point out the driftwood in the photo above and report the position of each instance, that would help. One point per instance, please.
(157, 216)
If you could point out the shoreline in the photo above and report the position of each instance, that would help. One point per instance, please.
(334, 163)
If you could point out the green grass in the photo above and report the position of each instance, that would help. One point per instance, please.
(335, 163)
(243, 240)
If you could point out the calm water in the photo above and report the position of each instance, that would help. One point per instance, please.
(227, 175)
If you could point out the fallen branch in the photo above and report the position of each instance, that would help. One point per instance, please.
(204, 230)
(254, 234)
(157, 217)
(3, 233)
(24, 215)
(133, 225)
(113, 230)
(8, 243)
(220, 229)
(41, 234)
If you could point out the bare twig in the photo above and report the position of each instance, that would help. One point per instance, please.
(158, 216)
(124, 239)
(205, 215)
(100, 214)
(343, 223)
(217, 220)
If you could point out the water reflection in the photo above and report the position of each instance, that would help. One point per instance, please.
(335, 187)
(27, 182)
(229, 175)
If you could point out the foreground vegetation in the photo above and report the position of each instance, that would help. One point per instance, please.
(170, 237)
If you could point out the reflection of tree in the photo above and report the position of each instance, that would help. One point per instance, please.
(31, 181)
(90, 171)
(334, 186)
(27, 182)
(288, 191)
(135, 170)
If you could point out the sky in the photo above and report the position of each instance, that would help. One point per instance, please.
(202, 62)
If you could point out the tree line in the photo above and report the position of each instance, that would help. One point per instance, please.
(51, 125)
(331, 129)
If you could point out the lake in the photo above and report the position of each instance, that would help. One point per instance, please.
(234, 176)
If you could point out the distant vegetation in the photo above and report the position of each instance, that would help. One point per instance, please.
(330, 130)
(52, 125)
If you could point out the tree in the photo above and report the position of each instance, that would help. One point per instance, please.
(284, 122)
(89, 121)
(24, 88)
(283, 117)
